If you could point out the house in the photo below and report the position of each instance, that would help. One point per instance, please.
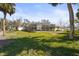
(39, 27)
(20, 28)
(45, 27)
(36, 27)
(57, 28)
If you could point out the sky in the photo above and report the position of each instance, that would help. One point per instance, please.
(38, 11)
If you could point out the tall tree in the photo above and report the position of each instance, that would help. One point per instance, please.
(6, 8)
(71, 18)
(1, 20)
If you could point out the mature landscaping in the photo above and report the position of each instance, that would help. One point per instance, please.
(31, 32)
(39, 44)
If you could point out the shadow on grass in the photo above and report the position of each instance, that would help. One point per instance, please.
(34, 47)
(64, 38)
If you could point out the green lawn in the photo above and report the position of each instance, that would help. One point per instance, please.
(40, 44)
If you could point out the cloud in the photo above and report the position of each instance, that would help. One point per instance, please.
(55, 15)
(59, 15)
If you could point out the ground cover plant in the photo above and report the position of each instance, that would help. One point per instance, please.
(39, 44)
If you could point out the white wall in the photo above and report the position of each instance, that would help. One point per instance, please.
(20, 28)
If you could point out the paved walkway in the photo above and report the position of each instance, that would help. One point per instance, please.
(3, 40)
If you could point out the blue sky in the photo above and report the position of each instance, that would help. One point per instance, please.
(38, 11)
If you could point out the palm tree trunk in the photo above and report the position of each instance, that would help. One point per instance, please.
(4, 24)
(71, 18)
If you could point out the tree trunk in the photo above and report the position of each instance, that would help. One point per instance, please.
(71, 18)
(4, 24)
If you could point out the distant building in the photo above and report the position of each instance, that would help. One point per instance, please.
(57, 28)
(20, 28)
(42, 27)
(39, 27)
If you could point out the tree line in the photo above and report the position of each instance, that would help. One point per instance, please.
(9, 8)
(13, 25)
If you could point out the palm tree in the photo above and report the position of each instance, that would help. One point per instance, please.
(71, 18)
(6, 8)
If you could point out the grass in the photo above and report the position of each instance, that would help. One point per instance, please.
(39, 44)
